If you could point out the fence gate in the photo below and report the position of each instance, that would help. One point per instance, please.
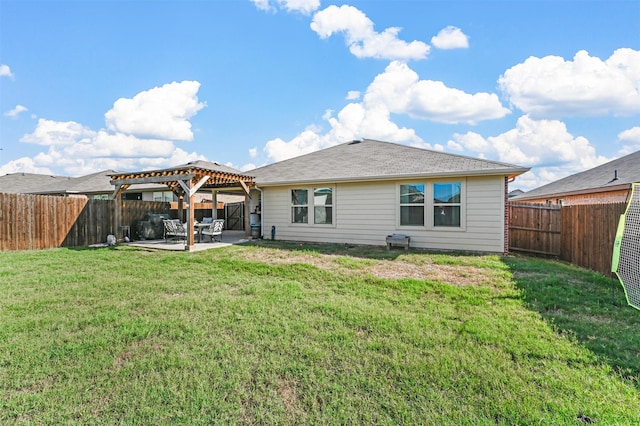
(535, 228)
(234, 216)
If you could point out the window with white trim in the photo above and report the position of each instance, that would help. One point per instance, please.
(323, 206)
(431, 205)
(446, 204)
(412, 205)
(299, 206)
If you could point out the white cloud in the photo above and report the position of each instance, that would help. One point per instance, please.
(586, 86)
(631, 140)
(450, 38)
(161, 112)
(246, 167)
(23, 165)
(5, 71)
(545, 144)
(401, 89)
(253, 152)
(306, 142)
(362, 39)
(353, 95)
(262, 5)
(305, 7)
(79, 150)
(82, 164)
(397, 90)
(58, 133)
(14, 113)
(117, 145)
(630, 135)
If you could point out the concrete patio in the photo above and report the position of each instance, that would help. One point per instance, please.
(228, 238)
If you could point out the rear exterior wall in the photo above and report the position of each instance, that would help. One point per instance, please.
(365, 213)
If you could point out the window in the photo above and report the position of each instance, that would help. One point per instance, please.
(323, 206)
(412, 205)
(432, 205)
(166, 196)
(299, 206)
(312, 205)
(446, 204)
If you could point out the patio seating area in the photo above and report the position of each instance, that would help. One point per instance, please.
(227, 238)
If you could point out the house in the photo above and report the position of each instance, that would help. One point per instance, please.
(362, 191)
(607, 183)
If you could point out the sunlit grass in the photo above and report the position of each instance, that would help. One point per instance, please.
(238, 335)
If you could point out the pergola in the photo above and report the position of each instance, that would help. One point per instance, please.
(185, 181)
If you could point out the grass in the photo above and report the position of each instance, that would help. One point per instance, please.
(288, 334)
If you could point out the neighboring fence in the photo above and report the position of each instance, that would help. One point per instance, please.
(580, 234)
(31, 222)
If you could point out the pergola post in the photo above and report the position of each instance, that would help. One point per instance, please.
(214, 199)
(247, 216)
(190, 216)
(117, 196)
(181, 207)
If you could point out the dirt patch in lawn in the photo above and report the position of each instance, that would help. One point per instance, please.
(380, 268)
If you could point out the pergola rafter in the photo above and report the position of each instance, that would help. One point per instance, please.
(185, 181)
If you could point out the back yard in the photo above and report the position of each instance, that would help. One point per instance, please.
(289, 334)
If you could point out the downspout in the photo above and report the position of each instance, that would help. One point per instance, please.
(507, 214)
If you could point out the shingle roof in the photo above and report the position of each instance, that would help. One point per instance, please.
(603, 177)
(22, 183)
(33, 183)
(376, 160)
(93, 183)
(208, 165)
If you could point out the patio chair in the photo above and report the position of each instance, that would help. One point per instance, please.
(174, 229)
(214, 230)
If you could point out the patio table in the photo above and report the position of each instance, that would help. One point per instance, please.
(199, 227)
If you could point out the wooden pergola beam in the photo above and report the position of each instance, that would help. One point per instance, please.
(151, 179)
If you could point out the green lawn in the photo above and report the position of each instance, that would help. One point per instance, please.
(288, 334)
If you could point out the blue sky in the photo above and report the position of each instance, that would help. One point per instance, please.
(87, 86)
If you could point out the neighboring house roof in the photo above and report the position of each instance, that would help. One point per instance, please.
(614, 175)
(95, 183)
(22, 183)
(90, 184)
(515, 193)
(207, 165)
(376, 160)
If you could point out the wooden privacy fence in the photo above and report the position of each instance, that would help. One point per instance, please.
(31, 222)
(579, 234)
(588, 234)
